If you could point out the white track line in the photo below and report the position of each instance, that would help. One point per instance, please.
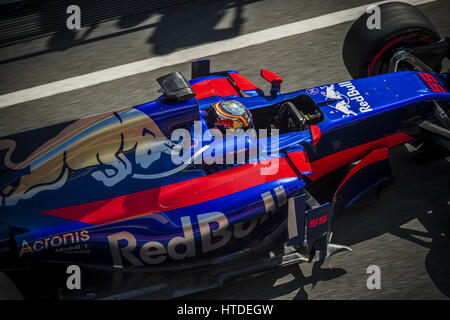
(186, 55)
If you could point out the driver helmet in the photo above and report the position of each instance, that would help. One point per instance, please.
(231, 115)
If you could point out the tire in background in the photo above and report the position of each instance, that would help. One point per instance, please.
(366, 52)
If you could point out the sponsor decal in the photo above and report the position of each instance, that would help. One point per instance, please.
(343, 105)
(70, 238)
(354, 95)
(181, 247)
(312, 91)
(77, 249)
(102, 142)
(214, 228)
(127, 144)
(343, 102)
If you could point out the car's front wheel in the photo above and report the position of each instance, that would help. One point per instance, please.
(367, 52)
(8, 291)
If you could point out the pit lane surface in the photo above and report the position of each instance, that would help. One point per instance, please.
(405, 233)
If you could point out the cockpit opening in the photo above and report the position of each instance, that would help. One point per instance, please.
(288, 116)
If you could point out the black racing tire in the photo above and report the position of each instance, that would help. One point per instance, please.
(8, 291)
(367, 52)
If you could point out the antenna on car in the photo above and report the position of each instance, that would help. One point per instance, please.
(200, 68)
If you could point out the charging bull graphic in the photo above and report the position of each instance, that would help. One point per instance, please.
(343, 105)
(100, 140)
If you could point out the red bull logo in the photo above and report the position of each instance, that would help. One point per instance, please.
(118, 145)
(102, 141)
(155, 252)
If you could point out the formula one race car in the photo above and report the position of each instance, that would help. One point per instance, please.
(216, 178)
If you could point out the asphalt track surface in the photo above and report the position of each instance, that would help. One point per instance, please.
(405, 233)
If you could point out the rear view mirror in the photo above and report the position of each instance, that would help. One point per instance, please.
(274, 79)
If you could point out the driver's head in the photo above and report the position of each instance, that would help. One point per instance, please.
(231, 115)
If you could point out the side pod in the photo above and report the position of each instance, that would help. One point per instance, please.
(367, 175)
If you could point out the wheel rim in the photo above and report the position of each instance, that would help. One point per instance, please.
(379, 62)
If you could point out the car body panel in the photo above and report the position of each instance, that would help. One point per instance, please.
(104, 190)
